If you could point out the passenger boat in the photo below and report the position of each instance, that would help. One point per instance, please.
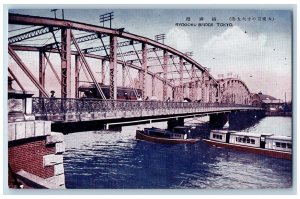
(177, 136)
(264, 144)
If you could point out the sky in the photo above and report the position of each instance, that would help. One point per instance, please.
(259, 51)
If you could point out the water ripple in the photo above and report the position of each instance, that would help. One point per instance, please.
(102, 159)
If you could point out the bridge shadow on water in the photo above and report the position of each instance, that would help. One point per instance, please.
(203, 130)
(241, 125)
(73, 127)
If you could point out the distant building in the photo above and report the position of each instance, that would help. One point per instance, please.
(269, 103)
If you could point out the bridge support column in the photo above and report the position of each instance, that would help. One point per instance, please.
(218, 120)
(35, 156)
(65, 63)
(113, 67)
(34, 152)
(175, 122)
(42, 68)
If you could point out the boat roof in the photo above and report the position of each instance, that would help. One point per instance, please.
(219, 131)
(157, 130)
(246, 134)
(280, 137)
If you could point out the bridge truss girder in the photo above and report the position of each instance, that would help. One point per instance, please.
(147, 45)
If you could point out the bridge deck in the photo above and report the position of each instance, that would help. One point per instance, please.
(67, 110)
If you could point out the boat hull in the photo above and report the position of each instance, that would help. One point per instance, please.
(267, 152)
(141, 136)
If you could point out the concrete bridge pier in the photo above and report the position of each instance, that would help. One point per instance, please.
(217, 121)
(175, 122)
(35, 153)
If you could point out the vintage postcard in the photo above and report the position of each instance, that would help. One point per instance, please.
(150, 98)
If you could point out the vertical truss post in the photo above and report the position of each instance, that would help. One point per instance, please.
(144, 68)
(123, 75)
(203, 93)
(183, 90)
(77, 66)
(140, 78)
(210, 91)
(165, 68)
(153, 85)
(173, 93)
(103, 71)
(196, 90)
(180, 79)
(113, 67)
(65, 63)
(218, 97)
(193, 82)
(42, 68)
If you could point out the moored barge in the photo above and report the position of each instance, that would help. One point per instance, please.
(179, 135)
(263, 144)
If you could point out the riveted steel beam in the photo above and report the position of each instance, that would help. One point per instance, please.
(31, 34)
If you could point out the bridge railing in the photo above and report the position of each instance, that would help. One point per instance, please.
(52, 106)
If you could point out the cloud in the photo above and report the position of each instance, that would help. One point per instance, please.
(236, 41)
(255, 57)
(178, 39)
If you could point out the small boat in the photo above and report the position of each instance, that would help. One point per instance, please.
(177, 136)
(263, 144)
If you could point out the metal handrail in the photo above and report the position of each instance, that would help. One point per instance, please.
(46, 106)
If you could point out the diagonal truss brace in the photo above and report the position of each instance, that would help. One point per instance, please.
(87, 67)
(18, 60)
(16, 79)
(52, 68)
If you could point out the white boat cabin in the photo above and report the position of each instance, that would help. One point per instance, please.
(244, 138)
(218, 135)
(282, 143)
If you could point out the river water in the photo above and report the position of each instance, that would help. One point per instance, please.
(107, 159)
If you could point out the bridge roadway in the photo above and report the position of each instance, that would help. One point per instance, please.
(120, 111)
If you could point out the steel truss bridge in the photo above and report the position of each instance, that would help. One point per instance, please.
(139, 62)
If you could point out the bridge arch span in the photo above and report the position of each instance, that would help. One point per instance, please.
(234, 91)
